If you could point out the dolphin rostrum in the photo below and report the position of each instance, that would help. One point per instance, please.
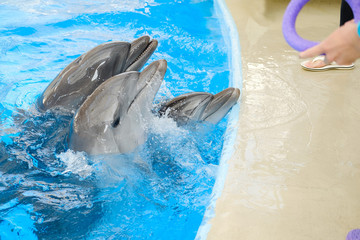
(81, 77)
(113, 118)
(200, 106)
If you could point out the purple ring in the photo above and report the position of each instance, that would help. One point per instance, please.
(291, 13)
(353, 235)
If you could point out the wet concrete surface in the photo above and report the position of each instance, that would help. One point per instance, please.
(295, 171)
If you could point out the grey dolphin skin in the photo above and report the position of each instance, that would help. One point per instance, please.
(200, 106)
(113, 101)
(81, 77)
(113, 118)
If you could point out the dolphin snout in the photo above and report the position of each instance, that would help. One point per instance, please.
(228, 95)
(161, 67)
(221, 104)
(155, 71)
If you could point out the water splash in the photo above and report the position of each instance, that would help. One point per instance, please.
(76, 163)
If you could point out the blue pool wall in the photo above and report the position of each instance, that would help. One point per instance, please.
(231, 38)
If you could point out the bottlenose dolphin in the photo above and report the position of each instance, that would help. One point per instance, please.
(113, 118)
(200, 106)
(112, 101)
(81, 77)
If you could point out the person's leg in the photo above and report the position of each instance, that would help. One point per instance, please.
(346, 13)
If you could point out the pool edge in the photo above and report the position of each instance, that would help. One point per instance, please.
(228, 26)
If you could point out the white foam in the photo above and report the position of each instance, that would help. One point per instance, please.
(76, 163)
(165, 126)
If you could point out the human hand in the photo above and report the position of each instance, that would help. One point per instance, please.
(342, 46)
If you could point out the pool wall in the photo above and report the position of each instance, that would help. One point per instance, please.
(235, 80)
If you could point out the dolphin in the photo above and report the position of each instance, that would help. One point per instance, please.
(81, 77)
(113, 101)
(113, 119)
(200, 106)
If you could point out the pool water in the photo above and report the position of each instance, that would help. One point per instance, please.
(162, 190)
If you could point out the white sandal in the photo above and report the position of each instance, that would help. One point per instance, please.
(330, 66)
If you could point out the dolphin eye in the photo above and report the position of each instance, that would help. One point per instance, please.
(116, 122)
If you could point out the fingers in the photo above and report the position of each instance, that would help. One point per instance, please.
(312, 52)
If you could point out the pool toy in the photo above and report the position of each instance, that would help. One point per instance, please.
(289, 19)
(353, 235)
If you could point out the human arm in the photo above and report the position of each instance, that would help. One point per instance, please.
(342, 46)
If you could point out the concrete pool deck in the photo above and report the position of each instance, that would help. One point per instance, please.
(295, 171)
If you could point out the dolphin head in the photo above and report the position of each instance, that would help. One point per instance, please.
(81, 77)
(113, 118)
(200, 106)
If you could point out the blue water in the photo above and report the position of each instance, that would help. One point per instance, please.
(159, 192)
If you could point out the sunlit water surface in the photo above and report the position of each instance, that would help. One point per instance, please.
(159, 192)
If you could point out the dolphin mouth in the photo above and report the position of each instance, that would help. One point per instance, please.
(200, 106)
(140, 51)
(223, 101)
(150, 80)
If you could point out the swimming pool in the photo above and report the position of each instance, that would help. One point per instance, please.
(161, 192)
